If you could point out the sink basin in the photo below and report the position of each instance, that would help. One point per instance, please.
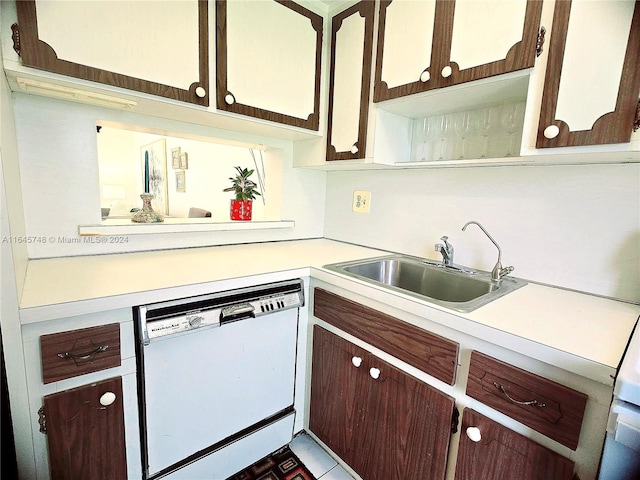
(454, 287)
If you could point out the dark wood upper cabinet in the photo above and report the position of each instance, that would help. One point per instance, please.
(381, 421)
(489, 450)
(437, 43)
(268, 59)
(592, 80)
(349, 82)
(155, 47)
(85, 432)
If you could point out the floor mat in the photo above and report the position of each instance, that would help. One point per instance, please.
(280, 465)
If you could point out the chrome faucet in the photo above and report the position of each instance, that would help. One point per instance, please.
(445, 250)
(498, 271)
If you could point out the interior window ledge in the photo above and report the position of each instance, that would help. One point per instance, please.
(176, 225)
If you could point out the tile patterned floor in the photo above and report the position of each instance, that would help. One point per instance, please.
(319, 462)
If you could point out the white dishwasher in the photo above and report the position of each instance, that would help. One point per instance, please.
(213, 372)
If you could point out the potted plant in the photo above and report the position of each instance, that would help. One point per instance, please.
(245, 192)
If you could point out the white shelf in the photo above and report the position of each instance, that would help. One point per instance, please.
(176, 225)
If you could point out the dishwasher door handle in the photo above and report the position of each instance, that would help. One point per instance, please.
(237, 312)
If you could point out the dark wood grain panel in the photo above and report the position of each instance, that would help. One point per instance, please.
(503, 454)
(76, 352)
(38, 54)
(86, 439)
(492, 382)
(391, 427)
(336, 389)
(312, 122)
(414, 424)
(612, 127)
(426, 351)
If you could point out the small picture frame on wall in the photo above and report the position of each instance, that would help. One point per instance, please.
(184, 161)
(181, 185)
(175, 157)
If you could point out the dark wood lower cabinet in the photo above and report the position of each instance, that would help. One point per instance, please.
(502, 454)
(389, 427)
(85, 438)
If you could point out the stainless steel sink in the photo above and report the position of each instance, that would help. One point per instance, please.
(453, 287)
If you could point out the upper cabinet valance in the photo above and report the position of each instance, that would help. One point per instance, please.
(156, 47)
(268, 58)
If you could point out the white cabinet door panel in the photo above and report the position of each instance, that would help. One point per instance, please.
(408, 37)
(496, 24)
(270, 57)
(153, 40)
(606, 25)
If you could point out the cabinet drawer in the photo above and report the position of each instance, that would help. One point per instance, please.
(76, 352)
(548, 407)
(430, 353)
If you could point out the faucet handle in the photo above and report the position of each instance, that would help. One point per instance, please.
(447, 246)
(505, 271)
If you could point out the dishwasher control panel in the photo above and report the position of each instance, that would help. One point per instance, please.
(278, 302)
(217, 309)
(183, 323)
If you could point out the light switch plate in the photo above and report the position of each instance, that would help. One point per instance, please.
(361, 201)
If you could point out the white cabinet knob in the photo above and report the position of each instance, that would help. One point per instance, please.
(107, 399)
(551, 131)
(425, 76)
(201, 92)
(446, 71)
(230, 99)
(357, 361)
(354, 149)
(474, 434)
(375, 373)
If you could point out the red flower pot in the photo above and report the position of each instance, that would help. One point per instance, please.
(241, 209)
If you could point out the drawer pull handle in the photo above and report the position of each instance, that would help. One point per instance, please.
(81, 358)
(532, 403)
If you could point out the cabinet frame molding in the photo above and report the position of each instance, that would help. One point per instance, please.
(612, 127)
(38, 54)
(366, 9)
(312, 122)
(520, 56)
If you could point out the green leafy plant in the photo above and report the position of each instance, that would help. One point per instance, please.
(243, 188)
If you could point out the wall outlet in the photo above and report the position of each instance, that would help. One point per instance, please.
(361, 201)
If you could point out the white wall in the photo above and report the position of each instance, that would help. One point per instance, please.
(13, 264)
(573, 226)
(57, 145)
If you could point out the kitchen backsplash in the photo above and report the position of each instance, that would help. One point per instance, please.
(571, 226)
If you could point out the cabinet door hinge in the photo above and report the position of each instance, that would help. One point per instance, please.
(15, 36)
(455, 419)
(636, 123)
(540, 42)
(42, 420)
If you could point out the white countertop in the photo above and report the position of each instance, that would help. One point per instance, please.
(585, 329)
(57, 282)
